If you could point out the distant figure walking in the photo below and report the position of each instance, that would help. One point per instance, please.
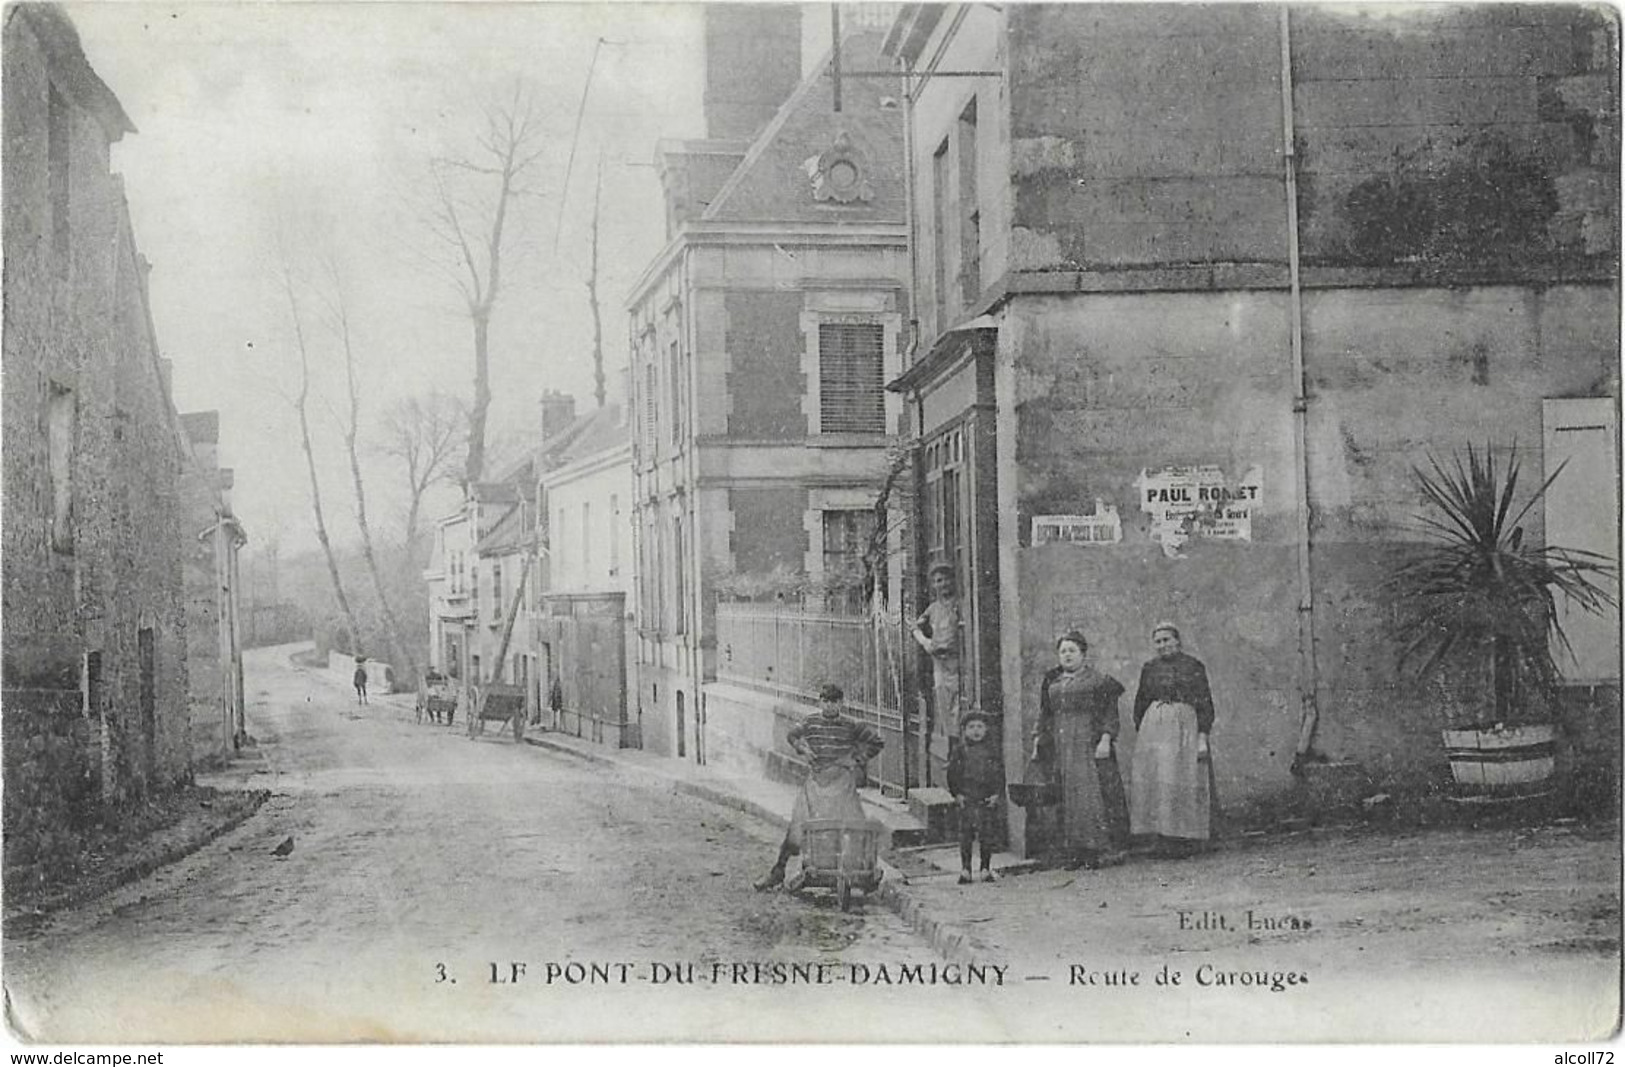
(360, 680)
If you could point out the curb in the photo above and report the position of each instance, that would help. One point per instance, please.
(953, 943)
(23, 920)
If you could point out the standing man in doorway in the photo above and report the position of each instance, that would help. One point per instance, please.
(938, 632)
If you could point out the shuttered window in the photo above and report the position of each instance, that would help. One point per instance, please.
(851, 378)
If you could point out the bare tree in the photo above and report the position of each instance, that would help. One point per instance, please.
(339, 312)
(473, 196)
(301, 404)
(423, 433)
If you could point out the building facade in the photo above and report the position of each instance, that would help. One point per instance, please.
(586, 627)
(95, 636)
(761, 338)
(1189, 320)
(214, 624)
(469, 593)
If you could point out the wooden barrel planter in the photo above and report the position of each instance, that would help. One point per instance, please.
(1513, 761)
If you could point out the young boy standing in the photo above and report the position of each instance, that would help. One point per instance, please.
(976, 780)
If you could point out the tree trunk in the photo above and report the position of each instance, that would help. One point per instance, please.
(392, 628)
(474, 468)
(310, 465)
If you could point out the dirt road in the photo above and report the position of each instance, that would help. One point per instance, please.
(424, 865)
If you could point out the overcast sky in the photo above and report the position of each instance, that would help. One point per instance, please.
(309, 126)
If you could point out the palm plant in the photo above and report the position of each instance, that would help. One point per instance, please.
(1478, 591)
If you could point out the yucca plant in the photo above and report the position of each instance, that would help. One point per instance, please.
(1478, 595)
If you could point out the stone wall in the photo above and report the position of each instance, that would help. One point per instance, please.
(95, 596)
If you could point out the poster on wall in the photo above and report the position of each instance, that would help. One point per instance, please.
(1104, 527)
(1187, 502)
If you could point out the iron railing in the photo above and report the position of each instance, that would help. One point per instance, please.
(788, 651)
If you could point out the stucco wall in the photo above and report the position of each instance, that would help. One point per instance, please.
(1482, 133)
(768, 529)
(1476, 136)
(1111, 385)
(1145, 134)
(765, 382)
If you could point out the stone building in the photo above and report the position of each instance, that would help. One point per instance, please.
(585, 627)
(761, 337)
(95, 669)
(477, 569)
(213, 539)
(1266, 259)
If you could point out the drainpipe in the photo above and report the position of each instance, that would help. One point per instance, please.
(1309, 682)
(906, 72)
(905, 644)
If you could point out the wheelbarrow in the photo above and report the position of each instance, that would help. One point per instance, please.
(842, 855)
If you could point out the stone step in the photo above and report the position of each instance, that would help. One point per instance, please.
(934, 809)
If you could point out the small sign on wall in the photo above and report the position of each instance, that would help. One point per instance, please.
(1186, 502)
(1104, 527)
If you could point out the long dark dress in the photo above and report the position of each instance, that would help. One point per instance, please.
(1075, 710)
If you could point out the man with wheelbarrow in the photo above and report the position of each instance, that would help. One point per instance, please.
(836, 749)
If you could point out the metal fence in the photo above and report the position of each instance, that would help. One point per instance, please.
(790, 652)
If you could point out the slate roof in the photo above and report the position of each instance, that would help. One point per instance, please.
(772, 183)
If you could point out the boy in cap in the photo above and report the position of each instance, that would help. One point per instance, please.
(976, 780)
(836, 749)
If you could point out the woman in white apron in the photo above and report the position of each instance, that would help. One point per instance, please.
(1171, 791)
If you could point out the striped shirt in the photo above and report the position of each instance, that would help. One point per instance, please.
(836, 740)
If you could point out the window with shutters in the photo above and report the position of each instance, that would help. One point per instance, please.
(651, 383)
(676, 366)
(679, 578)
(970, 214)
(851, 378)
(1582, 513)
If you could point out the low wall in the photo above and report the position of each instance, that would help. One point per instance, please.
(743, 728)
(380, 675)
(52, 764)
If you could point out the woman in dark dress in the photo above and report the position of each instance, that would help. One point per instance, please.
(1171, 791)
(1077, 720)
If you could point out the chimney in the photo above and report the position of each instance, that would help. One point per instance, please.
(752, 65)
(558, 411)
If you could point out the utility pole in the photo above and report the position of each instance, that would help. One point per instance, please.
(592, 293)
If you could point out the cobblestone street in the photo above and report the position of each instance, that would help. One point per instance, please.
(415, 848)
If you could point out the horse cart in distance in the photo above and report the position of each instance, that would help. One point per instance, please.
(437, 698)
(496, 702)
